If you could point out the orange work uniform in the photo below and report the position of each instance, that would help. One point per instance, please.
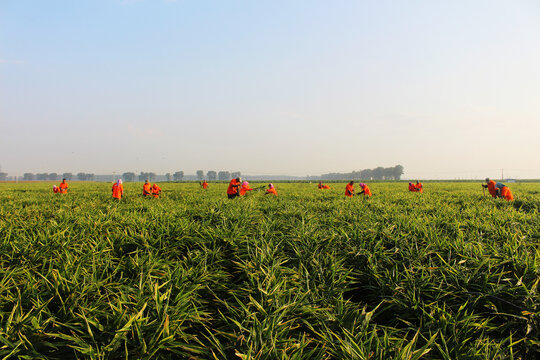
(506, 193)
(244, 189)
(117, 191)
(349, 190)
(233, 189)
(204, 185)
(146, 189)
(366, 190)
(271, 191)
(63, 187)
(492, 188)
(156, 190)
(412, 188)
(419, 187)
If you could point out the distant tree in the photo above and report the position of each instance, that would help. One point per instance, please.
(168, 176)
(178, 176)
(53, 176)
(28, 176)
(366, 174)
(211, 175)
(67, 176)
(236, 174)
(200, 175)
(129, 176)
(150, 176)
(398, 171)
(42, 176)
(3, 176)
(388, 173)
(224, 175)
(85, 177)
(378, 173)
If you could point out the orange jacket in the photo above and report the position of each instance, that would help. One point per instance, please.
(63, 187)
(244, 189)
(117, 191)
(349, 190)
(156, 190)
(326, 187)
(271, 191)
(492, 188)
(506, 193)
(204, 185)
(233, 187)
(146, 189)
(412, 188)
(419, 187)
(367, 191)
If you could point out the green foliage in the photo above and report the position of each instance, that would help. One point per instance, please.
(311, 274)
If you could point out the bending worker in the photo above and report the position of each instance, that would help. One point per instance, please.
(498, 190)
(323, 187)
(245, 188)
(365, 190)
(234, 188)
(271, 190)
(419, 187)
(156, 190)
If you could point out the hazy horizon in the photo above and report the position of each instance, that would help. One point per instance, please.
(448, 90)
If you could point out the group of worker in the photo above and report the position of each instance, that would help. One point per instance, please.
(416, 187)
(350, 192)
(237, 188)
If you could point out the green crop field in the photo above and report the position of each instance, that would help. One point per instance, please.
(448, 274)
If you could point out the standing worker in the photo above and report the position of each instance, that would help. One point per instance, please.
(118, 189)
(349, 189)
(234, 188)
(204, 185)
(63, 187)
(146, 188)
(156, 190)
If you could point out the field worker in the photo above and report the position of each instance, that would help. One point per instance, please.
(63, 187)
(146, 188)
(245, 188)
(204, 185)
(118, 189)
(491, 186)
(504, 192)
(156, 190)
(271, 190)
(419, 187)
(349, 189)
(55, 189)
(323, 187)
(365, 190)
(412, 187)
(234, 188)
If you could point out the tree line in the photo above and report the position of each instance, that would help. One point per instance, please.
(379, 173)
(55, 176)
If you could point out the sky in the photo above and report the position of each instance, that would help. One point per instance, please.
(446, 89)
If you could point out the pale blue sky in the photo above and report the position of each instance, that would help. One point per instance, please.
(448, 90)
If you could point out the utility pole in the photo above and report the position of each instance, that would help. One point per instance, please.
(502, 174)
